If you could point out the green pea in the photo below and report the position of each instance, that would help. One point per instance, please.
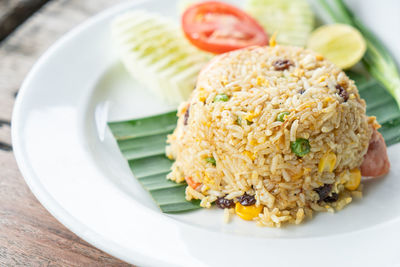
(281, 116)
(300, 147)
(211, 160)
(221, 98)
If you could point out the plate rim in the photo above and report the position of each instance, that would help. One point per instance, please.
(36, 187)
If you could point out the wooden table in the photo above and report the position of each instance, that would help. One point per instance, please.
(29, 235)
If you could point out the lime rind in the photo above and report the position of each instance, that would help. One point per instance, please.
(340, 43)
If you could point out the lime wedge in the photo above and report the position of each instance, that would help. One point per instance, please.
(341, 44)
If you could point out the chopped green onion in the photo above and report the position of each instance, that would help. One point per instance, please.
(211, 160)
(378, 61)
(221, 98)
(239, 120)
(300, 147)
(281, 116)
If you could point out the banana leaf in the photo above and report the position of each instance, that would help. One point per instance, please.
(142, 142)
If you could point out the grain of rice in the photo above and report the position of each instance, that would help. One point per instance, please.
(293, 130)
(226, 215)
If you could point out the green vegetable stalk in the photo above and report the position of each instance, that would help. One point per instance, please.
(211, 160)
(377, 59)
(281, 116)
(221, 98)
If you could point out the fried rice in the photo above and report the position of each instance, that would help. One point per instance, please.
(248, 111)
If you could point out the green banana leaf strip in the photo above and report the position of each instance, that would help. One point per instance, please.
(142, 147)
(142, 143)
(158, 124)
(380, 104)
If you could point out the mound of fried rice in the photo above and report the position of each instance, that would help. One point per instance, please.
(252, 149)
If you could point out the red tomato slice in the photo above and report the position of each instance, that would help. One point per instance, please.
(218, 27)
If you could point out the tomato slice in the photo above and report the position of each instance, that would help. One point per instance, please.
(218, 27)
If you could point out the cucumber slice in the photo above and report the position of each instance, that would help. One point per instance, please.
(156, 53)
(293, 20)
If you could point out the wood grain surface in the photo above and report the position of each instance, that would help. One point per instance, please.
(29, 235)
(14, 12)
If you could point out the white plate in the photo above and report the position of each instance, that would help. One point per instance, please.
(73, 166)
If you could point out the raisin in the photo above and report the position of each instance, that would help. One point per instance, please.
(224, 203)
(302, 91)
(324, 193)
(186, 116)
(282, 64)
(334, 197)
(342, 92)
(247, 200)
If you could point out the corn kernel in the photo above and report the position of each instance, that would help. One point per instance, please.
(251, 115)
(249, 154)
(253, 142)
(327, 100)
(322, 79)
(327, 162)
(272, 40)
(355, 179)
(247, 212)
(319, 57)
(260, 80)
(202, 96)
